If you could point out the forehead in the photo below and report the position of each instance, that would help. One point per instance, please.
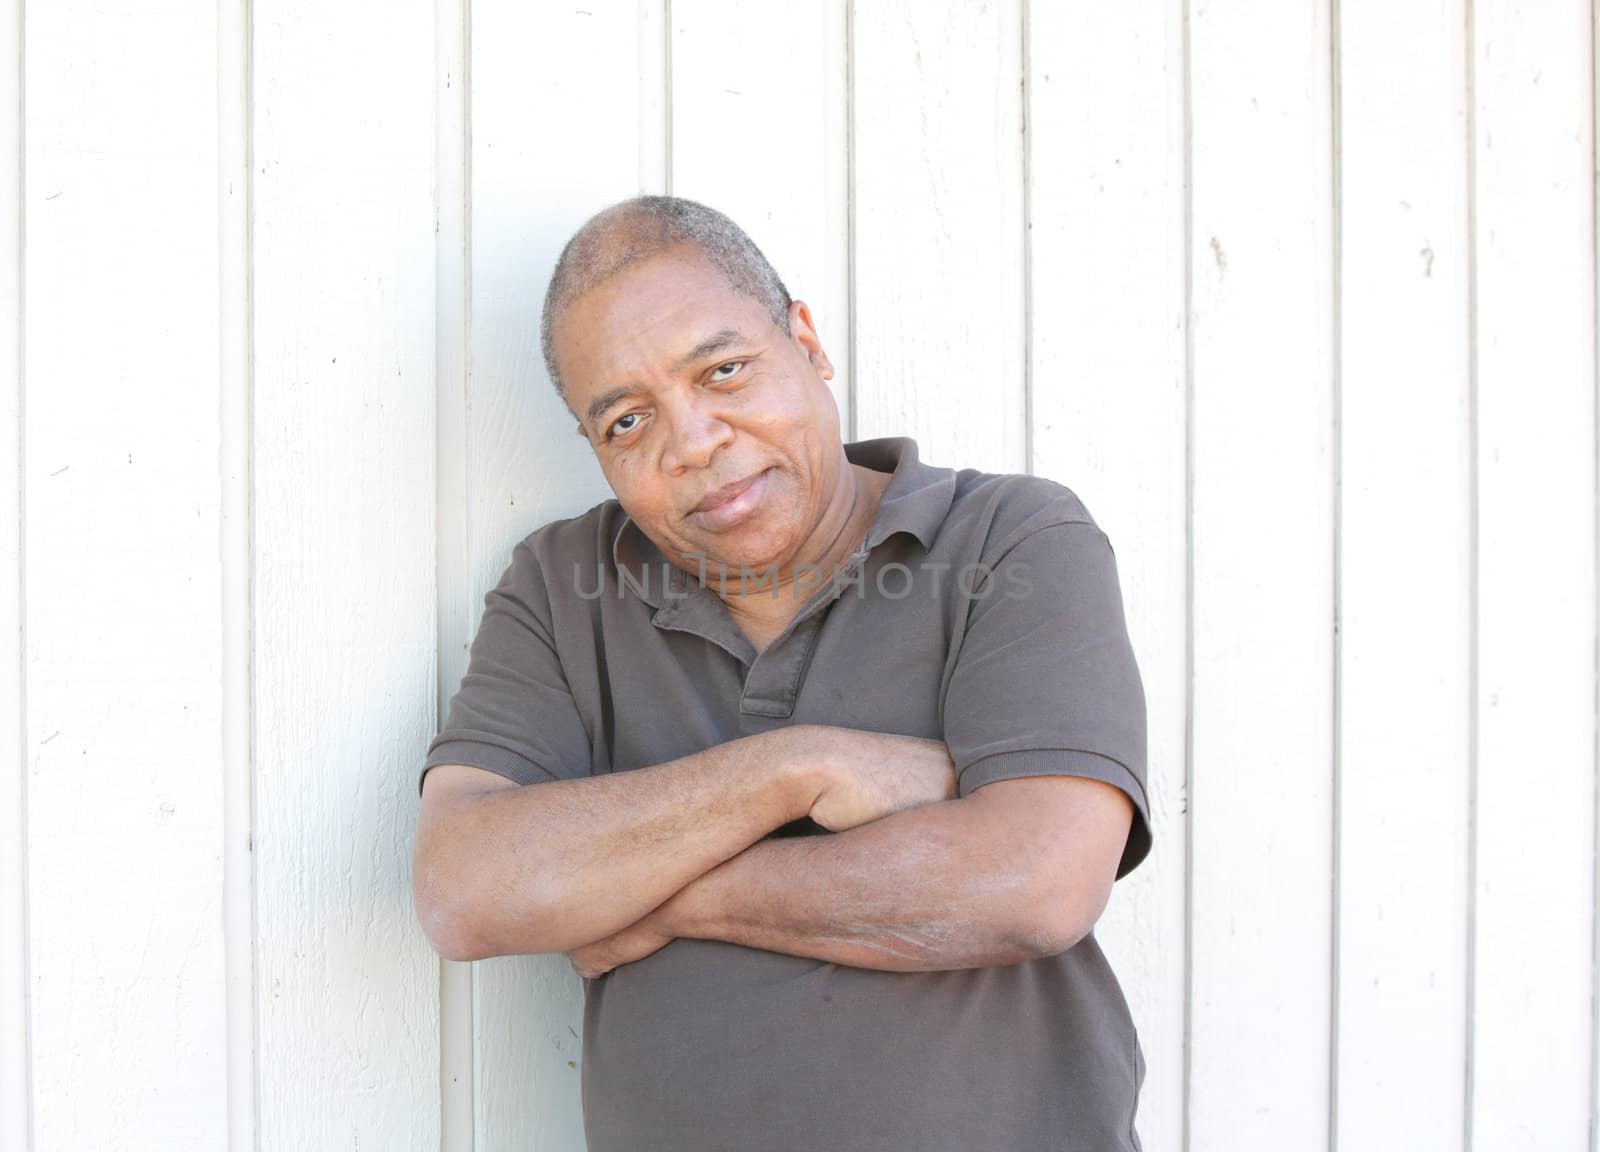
(648, 316)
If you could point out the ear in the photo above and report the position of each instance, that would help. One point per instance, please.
(572, 414)
(804, 332)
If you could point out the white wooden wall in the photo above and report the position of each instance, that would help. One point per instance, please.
(1299, 295)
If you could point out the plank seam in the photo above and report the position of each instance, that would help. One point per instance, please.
(470, 1072)
(666, 94)
(852, 394)
(1473, 678)
(250, 527)
(459, 1107)
(1187, 1072)
(22, 1085)
(1336, 366)
(1027, 237)
(236, 412)
(1594, 833)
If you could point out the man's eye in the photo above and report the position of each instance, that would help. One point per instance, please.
(726, 371)
(616, 427)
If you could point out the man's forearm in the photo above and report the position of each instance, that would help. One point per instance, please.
(936, 887)
(554, 866)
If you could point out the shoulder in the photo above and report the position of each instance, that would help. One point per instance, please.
(561, 550)
(1003, 508)
(585, 536)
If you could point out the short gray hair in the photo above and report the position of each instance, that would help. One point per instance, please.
(636, 229)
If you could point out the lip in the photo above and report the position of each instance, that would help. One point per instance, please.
(733, 502)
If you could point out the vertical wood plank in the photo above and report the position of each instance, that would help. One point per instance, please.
(758, 133)
(344, 579)
(556, 135)
(939, 230)
(1262, 299)
(1108, 370)
(123, 616)
(14, 1101)
(1405, 606)
(1534, 253)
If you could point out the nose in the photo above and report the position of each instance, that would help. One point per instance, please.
(695, 435)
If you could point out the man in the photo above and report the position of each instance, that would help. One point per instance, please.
(819, 761)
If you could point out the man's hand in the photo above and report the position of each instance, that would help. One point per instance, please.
(634, 942)
(870, 775)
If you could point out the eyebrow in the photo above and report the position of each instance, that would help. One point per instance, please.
(715, 342)
(601, 403)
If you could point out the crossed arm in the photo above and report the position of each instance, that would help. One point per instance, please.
(621, 865)
(1018, 869)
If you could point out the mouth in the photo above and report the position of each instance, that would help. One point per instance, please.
(731, 503)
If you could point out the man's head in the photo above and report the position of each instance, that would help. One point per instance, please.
(677, 349)
(636, 229)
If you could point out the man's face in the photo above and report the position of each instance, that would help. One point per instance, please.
(683, 386)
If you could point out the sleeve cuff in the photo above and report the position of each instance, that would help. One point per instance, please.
(478, 754)
(1069, 762)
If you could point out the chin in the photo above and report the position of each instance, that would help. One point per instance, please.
(732, 562)
(756, 555)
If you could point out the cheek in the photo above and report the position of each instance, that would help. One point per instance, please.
(622, 473)
(777, 404)
(636, 485)
(629, 461)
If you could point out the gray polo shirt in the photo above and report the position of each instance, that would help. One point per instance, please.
(984, 609)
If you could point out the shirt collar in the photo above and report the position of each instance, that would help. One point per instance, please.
(916, 500)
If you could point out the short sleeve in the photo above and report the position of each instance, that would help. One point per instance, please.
(1045, 681)
(514, 713)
